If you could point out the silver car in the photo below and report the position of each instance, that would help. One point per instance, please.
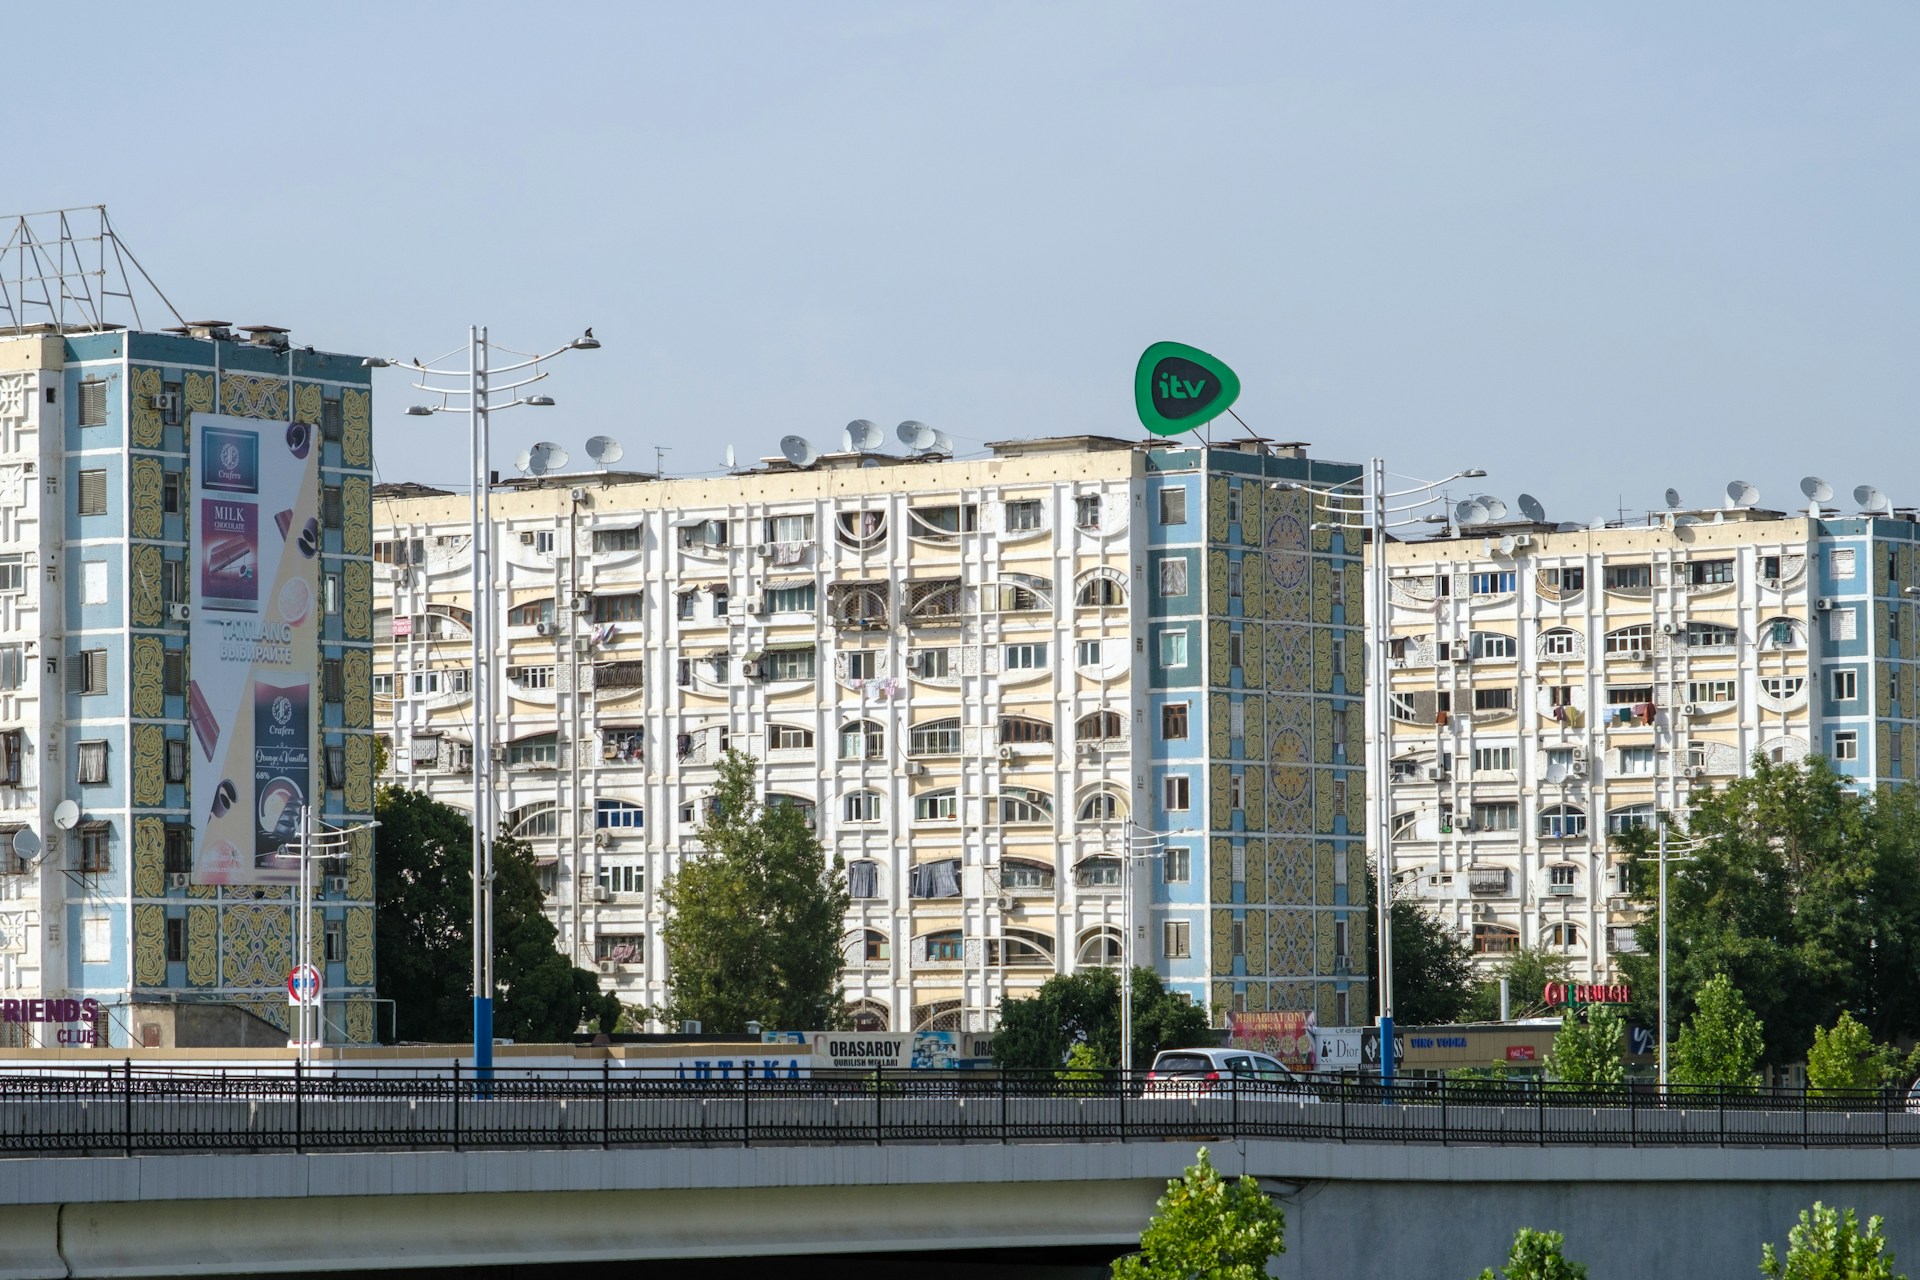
(1187, 1073)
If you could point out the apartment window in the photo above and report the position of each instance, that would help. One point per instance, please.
(1026, 657)
(1173, 575)
(620, 948)
(176, 939)
(428, 684)
(1176, 866)
(1176, 939)
(93, 402)
(1173, 649)
(1173, 721)
(1086, 653)
(540, 749)
(1024, 516)
(176, 759)
(789, 737)
(1101, 593)
(87, 672)
(936, 806)
(616, 539)
(618, 815)
(624, 607)
(1626, 696)
(170, 489)
(1497, 815)
(1559, 643)
(1173, 506)
(1629, 818)
(1024, 729)
(1840, 562)
(1485, 644)
(683, 605)
(1493, 759)
(530, 614)
(1237, 934)
(177, 848)
(13, 666)
(401, 551)
(13, 750)
(934, 738)
(861, 806)
(1704, 573)
(1497, 583)
(1086, 511)
(542, 540)
(1500, 699)
(13, 573)
(1846, 685)
(332, 507)
(1236, 579)
(93, 493)
(332, 419)
(790, 664)
(1782, 688)
(932, 664)
(1175, 794)
(1846, 745)
(1024, 805)
(333, 942)
(1843, 624)
(95, 851)
(1340, 956)
(1237, 650)
(1709, 635)
(1628, 577)
(1566, 580)
(382, 684)
(332, 680)
(791, 599)
(789, 528)
(1630, 640)
(1233, 503)
(1710, 691)
(1563, 821)
(861, 665)
(1636, 762)
(1237, 792)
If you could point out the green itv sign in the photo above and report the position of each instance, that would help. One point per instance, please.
(1177, 388)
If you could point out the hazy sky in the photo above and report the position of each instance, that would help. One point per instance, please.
(1598, 250)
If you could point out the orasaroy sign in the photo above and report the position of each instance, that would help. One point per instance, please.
(1579, 993)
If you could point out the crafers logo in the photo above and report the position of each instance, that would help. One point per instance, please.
(230, 459)
(282, 711)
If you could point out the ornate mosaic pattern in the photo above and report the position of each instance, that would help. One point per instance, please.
(1220, 869)
(149, 777)
(203, 946)
(149, 670)
(1289, 942)
(1324, 942)
(257, 949)
(149, 857)
(1289, 657)
(306, 402)
(145, 572)
(356, 670)
(1323, 855)
(145, 483)
(360, 864)
(1219, 739)
(356, 604)
(198, 392)
(359, 790)
(360, 945)
(360, 1021)
(1222, 940)
(1289, 871)
(145, 425)
(1256, 860)
(356, 516)
(150, 945)
(356, 420)
(243, 395)
(1256, 941)
(1255, 781)
(1217, 507)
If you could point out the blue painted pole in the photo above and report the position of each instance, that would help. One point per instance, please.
(1386, 1049)
(483, 1037)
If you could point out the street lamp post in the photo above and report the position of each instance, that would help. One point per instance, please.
(1662, 1041)
(1367, 512)
(313, 846)
(1146, 847)
(480, 392)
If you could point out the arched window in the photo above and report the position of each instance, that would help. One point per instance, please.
(1100, 726)
(1022, 949)
(1097, 873)
(1628, 817)
(867, 1015)
(806, 808)
(935, 879)
(1102, 805)
(874, 947)
(936, 806)
(1495, 939)
(541, 750)
(860, 529)
(862, 740)
(861, 806)
(863, 878)
(1783, 633)
(1564, 935)
(1101, 593)
(1022, 593)
(1015, 730)
(1099, 946)
(531, 613)
(1563, 822)
(1020, 876)
(789, 737)
(1024, 805)
(948, 944)
(934, 738)
(617, 814)
(540, 819)
(940, 1015)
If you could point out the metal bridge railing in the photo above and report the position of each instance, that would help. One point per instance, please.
(127, 1111)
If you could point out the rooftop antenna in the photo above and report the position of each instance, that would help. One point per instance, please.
(1818, 491)
(1872, 501)
(917, 436)
(796, 450)
(1741, 495)
(67, 268)
(1673, 498)
(1530, 508)
(605, 451)
(863, 436)
(659, 459)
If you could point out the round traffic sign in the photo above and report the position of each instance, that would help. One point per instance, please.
(303, 984)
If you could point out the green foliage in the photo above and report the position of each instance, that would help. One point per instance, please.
(1590, 1053)
(424, 890)
(1829, 1245)
(753, 924)
(1723, 1043)
(1205, 1226)
(1040, 1032)
(1803, 893)
(1845, 1060)
(1537, 1255)
(1433, 974)
(1083, 1063)
(1527, 971)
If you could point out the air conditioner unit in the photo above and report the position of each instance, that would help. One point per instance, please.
(179, 612)
(754, 603)
(166, 400)
(603, 839)
(1482, 911)
(543, 628)
(1522, 540)
(1644, 658)
(750, 669)
(1691, 709)
(583, 604)
(1579, 768)
(1006, 753)
(335, 884)
(1436, 774)
(602, 894)
(398, 573)
(1696, 771)
(577, 494)
(1459, 655)
(913, 769)
(1008, 902)
(1823, 604)
(915, 660)
(606, 966)
(1669, 628)
(1463, 825)
(177, 879)
(526, 538)
(1089, 751)
(513, 673)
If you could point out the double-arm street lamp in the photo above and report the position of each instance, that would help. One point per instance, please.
(1664, 860)
(1136, 844)
(1368, 511)
(476, 390)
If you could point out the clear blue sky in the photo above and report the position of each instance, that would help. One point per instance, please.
(1598, 250)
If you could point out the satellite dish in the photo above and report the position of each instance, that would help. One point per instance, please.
(1601, 523)
(917, 436)
(1530, 508)
(864, 436)
(1472, 511)
(27, 844)
(1872, 501)
(1681, 522)
(65, 815)
(552, 456)
(1817, 490)
(523, 462)
(941, 443)
(728, 457)
(604, 450)
(1673, 497)
(1496, 509)
(1507, 545)
(1741, 494)
(1569, 526)
(796, 450)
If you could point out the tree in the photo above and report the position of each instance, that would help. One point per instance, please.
(1527, 972)
(1433, 974)
(1590, 1053)
(1205, 1226)
(1804, 893)
(422, 933)
(1536, 1255)
(753, 925)
(1829, 1245)
(1039, 1033)
(1723, 1043)
(1845, 1060)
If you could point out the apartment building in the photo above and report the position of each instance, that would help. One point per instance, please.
(988, 682)
(1552, 686)
(140, 817)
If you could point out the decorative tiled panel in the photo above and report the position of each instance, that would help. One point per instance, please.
(356, 670)
(1220, 869)
(1222, 940)
(149, 945)
(360, 1021)
(203, 945)
(1323, 855)
(1255, 782)
(356, 516)
(360, 945)
(1289, 943)
(257, 949)
(356, 437)
(149, 672)
(145, 425)
(1256, 939)
(198, 392)
(1256, 858)
(244, 395)
(147, 607)
(1216, 509)
(356, 603)
(1219, 726)
(359, 789)
(1219, 812)
(149, 765)
(306, 402)
(144, 504)
(149, 856)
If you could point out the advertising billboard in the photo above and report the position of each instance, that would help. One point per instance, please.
(1288, 1036)
(255, 512)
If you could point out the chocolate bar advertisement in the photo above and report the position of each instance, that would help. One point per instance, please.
(256, 649)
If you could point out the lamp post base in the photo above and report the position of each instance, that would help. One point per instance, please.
(483, 1037)
(1386, 1049)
